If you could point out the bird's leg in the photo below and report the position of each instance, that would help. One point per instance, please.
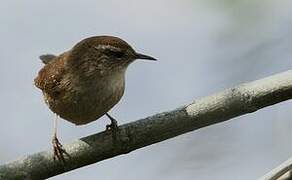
(113, 125)
(57, 146)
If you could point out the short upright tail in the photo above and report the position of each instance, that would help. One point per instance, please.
(46, 58)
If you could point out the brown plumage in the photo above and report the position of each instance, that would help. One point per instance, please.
(85, 82)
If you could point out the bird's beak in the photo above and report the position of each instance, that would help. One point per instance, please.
(142, 56)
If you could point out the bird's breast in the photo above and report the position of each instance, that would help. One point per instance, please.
(89, 99)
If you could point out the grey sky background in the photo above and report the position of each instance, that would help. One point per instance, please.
(203, 46)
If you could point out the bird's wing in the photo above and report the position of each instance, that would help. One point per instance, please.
(50, 76)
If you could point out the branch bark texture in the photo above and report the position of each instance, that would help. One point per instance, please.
(219, 107)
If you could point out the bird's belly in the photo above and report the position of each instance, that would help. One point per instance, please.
(82, 107)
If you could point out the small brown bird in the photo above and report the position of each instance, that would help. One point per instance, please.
(84, 83)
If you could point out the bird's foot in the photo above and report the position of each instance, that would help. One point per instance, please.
(58, 150)
(113, 126)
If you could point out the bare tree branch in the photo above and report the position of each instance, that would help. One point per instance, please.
(213, 109)
(282, 172)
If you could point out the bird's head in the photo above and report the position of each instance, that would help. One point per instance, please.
(104, 54)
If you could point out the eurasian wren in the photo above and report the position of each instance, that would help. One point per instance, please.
(84, 83)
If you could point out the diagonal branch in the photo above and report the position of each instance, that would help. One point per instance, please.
(209, 110)
(281, 172)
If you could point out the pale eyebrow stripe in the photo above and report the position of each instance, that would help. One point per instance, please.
(107, 47)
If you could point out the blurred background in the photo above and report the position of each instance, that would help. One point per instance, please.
(203, 46)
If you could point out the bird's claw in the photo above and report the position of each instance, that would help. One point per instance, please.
(113, 126)
(58, 150)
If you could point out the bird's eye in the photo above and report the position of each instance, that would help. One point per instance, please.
(118, 54)
(114, 53)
